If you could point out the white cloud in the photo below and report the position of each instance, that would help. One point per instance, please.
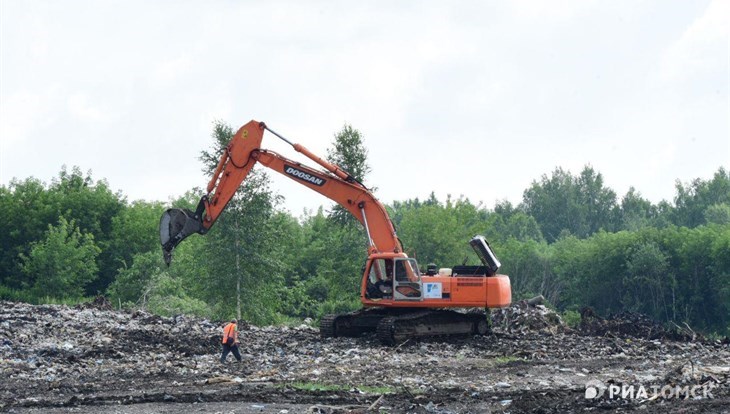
(20, 114)
(703, 46)
(82, 110)
(549, 11)
(468, 98)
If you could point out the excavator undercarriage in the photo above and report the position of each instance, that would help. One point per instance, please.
(394, 326)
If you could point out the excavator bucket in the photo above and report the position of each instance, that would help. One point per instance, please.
(176, 224)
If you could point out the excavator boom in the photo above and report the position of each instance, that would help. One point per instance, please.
(239, 157)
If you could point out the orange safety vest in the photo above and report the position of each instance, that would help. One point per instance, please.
(229, 332)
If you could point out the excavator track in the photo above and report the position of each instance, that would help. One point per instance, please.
(351, 324)
(327, 326)
(395, 326)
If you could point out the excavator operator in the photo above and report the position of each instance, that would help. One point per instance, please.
(380, 282)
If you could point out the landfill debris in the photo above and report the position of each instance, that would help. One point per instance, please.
(528, 315)
(631, 324)
(90, 359)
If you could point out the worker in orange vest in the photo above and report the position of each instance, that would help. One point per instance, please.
(230, 341)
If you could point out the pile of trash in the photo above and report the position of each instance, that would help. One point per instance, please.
(88, 358)
(528, 315)
(633, 325)
(692, 373)
(100, 303)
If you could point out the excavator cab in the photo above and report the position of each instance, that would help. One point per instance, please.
(394, 278)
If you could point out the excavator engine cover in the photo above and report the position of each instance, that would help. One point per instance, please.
(175, 225)
(486, 255)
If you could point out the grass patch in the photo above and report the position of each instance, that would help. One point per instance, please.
(571, 318)
(506, 360)
(26, 296)
(319, 387)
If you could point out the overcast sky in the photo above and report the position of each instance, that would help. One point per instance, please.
(472, 98)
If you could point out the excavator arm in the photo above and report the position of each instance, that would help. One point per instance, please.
(239, 157)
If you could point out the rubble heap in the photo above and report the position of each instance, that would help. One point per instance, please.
(632, 325)
(89, 359)
(527, 315)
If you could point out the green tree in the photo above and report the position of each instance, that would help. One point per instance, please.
(26, 208)
(636, 212)
(531, 265)
(330, 263)
(694, 198)
(167, 295)
(242, 277)
(92, 206)
(135, 231)
(509, 222)
(648, 285)
(349, 153)
(63, 263)
(597, 203)
(577, 205)
(718, 214)
(720, 280)
(133, 280)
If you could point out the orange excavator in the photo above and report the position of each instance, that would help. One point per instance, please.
(399, 302)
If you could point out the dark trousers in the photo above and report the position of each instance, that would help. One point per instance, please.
(230, 348)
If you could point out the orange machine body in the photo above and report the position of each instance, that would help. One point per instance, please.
(455, 292)
(437, 291)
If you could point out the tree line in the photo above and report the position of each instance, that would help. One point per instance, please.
(571, 239)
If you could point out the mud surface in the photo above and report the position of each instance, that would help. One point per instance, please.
(91, 359)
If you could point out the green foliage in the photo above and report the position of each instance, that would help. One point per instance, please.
(637, 212)
(330, 260)
(318, 387)
(27, 211)
(571, 240)
(532, 264)
(429, 234)
(134, 230)
(63, 263)
(693, 199)
(131, 282)
(90, 204)
(581, 205)
(508, 222)
(349, 153)
(571, 318)
(240, 274)
(16, 295)
(718, 214)
(647, 272)
(167, 296)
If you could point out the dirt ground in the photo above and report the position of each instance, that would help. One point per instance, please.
(91, 359)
